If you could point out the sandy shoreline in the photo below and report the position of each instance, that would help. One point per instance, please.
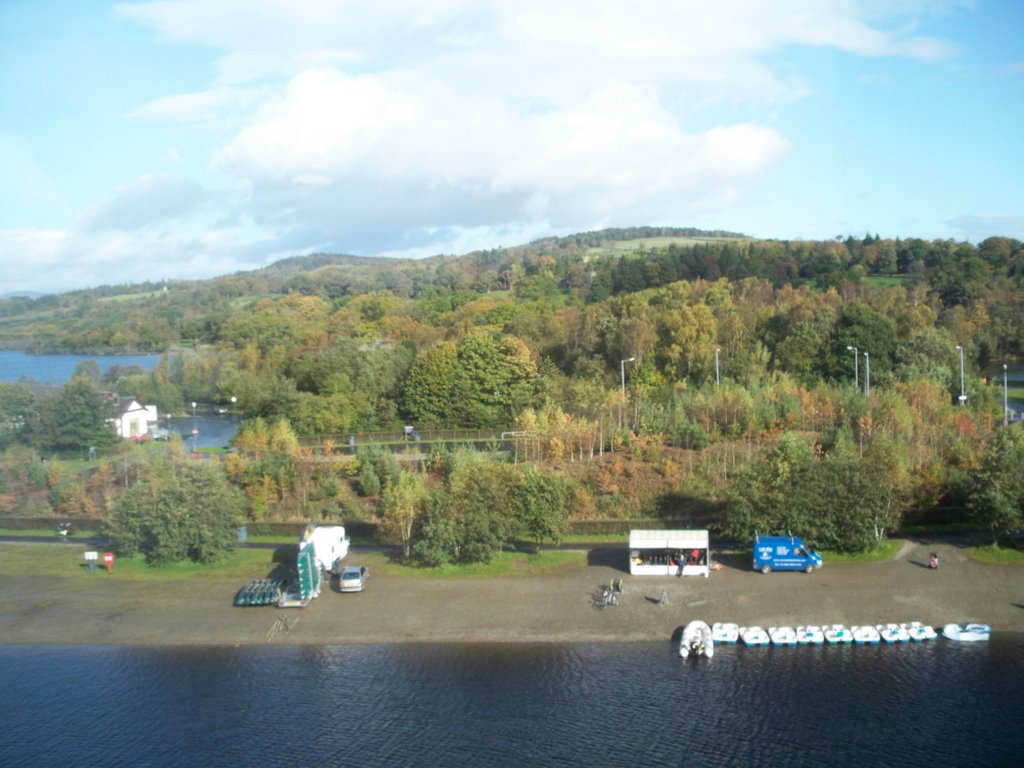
(102, 609)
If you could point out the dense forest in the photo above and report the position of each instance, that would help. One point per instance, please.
(645, 373)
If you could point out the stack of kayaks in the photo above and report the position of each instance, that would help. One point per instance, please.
(260, 592)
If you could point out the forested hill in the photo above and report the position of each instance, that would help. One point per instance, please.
(583, 269)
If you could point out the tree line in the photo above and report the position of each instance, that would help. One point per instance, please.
(700, 370)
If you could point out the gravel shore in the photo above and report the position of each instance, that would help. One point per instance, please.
(102, 609)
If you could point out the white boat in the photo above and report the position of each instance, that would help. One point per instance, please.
(754, 636)
(893, 633)
(919, 632)
(725, 633)
(782, 635)
(696, 640)
(866, 635)
(810, 635)
(966, 632)
(837, 633)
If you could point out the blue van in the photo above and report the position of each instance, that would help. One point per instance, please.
(783, 553)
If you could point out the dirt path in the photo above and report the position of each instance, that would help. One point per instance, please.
(102, 609)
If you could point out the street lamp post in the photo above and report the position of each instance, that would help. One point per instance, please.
(1006, 402)
(867, 374)
(856, 367)
(195, 429)
(717, 379)
(622, 369)
(963, 392)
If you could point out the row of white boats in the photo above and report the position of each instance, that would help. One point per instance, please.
(698, 639)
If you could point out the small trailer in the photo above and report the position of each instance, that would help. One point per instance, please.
(669, 553)
(307, 582)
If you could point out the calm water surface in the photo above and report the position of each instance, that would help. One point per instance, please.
(512, 705)
(57, 369)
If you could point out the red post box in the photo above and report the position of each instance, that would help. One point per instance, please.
(108, 560)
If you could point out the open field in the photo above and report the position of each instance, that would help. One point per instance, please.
(549, 600)
(646, 243)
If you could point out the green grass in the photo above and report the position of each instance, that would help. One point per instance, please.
(882, 281)
(597, 538)
(79, 534)
(646, 243)
(545, 562)
(996, 555)
(885, 551)
(121, 297)
(1015, 393)
(66, 560)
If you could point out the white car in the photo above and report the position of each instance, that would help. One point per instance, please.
(353, 578)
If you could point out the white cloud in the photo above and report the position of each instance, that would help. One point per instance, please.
(150, 200)
(205, 106)
(64, 260)
(411, 127)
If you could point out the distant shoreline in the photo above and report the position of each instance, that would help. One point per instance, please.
(100, 609)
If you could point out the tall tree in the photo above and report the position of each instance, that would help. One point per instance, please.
(76, 419)
(188, 515)
(400, 505)
(540, 502)
(996, 488)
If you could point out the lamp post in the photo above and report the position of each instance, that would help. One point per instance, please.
(856, 367)
(1006, 402)
(233, 401)
(867, 374)
(717, 379)
(963, 392)
(622, 369)
(195, 429)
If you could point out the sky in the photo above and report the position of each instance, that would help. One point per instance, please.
(186, 139)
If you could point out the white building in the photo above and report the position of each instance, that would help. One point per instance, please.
(134, 421)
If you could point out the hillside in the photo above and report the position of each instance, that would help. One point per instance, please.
(152, 317)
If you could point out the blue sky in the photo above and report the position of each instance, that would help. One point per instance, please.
(188, 139)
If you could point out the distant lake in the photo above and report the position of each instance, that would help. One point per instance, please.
(57, 369)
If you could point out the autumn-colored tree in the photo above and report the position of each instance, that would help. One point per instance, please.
(400, 505)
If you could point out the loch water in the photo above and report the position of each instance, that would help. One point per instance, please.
(58, 369)
(635, 704)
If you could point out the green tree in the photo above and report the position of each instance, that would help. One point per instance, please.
(429, 396)
(771, 497)
(438, 540)
(17, 409)
(75, 420)
(400, 505)
(172, 516)
(540, 504)
(494, 379)
(996, 488)
(481, 381)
